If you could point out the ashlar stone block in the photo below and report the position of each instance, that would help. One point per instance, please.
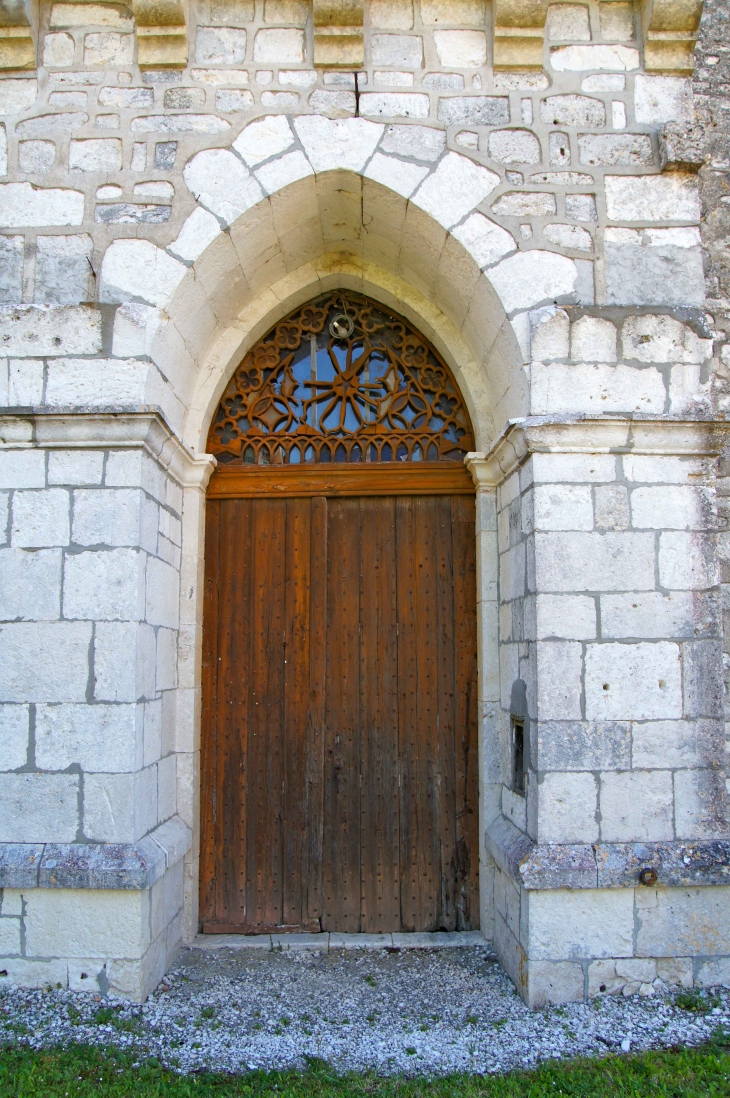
(39, 808)
(30, 584)
(565, 617)
(115, 517)
(563, 507)
(566, 813)
(461, 49)
(559, 671)
(585, 923)
(14, 740)
(74, 922)
(683, 922)
(120, 808)
(27, 673)
(63, 271)
(568, 23)
(124, 662)
(641, 681)
(98, 738)
(279, 46)
(104, 586)
(637, 806)
(573, 561)
(40, 518)
(593, 339)
(672, 196)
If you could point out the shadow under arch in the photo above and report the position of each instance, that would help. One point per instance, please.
(338, 229)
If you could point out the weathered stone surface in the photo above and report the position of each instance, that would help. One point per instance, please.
(397, 50)
(58, 50)
(231, 100)
(220, 46)
(19, 864)
(576, 561)
(108, 48)
(279, 46)
(581, 207)
(17, 95)
(11, 268)
(335, 103)
(130, 213)
(671, 197)
(486, 242)
(531, 278)
(281, 172)
(95, 155)
(138, 269)
(637, 806)
(44, 124)
(640, 681)
(584, 923)
(36, 807)
(26, 674)
(399, 175)
(179, 123)
(579, 58)
(394, 105)
(569, 237)
(593, 339)
(390, 15)
(514, 146)
(29, 591)
(603, 82)
(525, 204)
(101, 865)
(660, 99)
(165, 153)
(183, 99)
(420, 142)
(95, 15)
(622, 149)
(63, 272)
(461, 49)
(222, 183)
(572, 110)
(661, 338)
(266, 137)
(474, 110)
(200, 230)
(124, 98)
(653, 266)
(443, 81)
(49, 330)
(568, 23)
(236, 78)
(342, 143)
(455, 188)
(36, 157)
(555, 866)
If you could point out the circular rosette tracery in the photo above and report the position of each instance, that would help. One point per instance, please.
(303, 395)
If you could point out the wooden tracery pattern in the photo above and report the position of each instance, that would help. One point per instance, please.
(340, 380)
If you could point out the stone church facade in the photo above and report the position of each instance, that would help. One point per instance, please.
(542, 191)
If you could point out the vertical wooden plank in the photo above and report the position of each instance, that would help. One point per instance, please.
(341, 869)
(445, 812)
(466, 713)
(232, 721)
(296, 676)
(380, 794)
(314, 789)
(265, 778)
(418, 710)
(209, 712)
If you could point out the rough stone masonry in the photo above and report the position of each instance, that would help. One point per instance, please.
(542, 191)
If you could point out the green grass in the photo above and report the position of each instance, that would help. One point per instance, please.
(80, 1072)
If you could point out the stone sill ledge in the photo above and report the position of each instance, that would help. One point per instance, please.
(95, 865)
(538, 867)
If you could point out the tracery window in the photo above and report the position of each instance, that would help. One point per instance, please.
(340, 380)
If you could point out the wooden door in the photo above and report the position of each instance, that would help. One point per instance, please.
(339, 754)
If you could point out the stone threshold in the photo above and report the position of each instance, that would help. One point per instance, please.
(331, 940)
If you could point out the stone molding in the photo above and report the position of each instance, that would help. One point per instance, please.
(162, 34)
(543, 866)
(145, 430)
(670, 33)
(338, 34)
(519, 31)
(594, 435)
(17, 45)
(95, 865)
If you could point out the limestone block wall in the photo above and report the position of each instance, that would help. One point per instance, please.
(528, 197)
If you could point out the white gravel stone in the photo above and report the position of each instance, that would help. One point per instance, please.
(392, 1003)
(338, 143)
(399, 175)
(222, 184)
(486, 242)
(454, 189)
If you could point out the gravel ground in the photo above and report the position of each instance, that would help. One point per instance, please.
(417, 1012)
